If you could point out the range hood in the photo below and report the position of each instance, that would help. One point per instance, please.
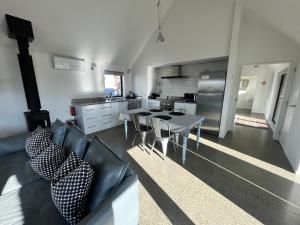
(176, 73)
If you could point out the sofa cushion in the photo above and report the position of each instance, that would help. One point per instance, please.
(37, 141)
(11, 145)
(57, 123)
(58, 132)
(109, 171)
(30, 204)
(71, 163)
(48, 161)
(75, 141)
(70, 192)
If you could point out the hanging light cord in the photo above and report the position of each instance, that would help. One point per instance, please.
(158, 4)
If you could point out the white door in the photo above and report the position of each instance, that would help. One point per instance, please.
(289, 137)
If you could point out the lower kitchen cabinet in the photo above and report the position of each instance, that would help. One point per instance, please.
(187, 108)
(94, 118)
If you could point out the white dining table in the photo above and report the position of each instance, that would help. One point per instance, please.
(180, 125)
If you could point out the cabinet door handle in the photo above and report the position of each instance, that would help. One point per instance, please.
(108, 122)
(89, 110)
(91, 118)
(108, 115)
(92, 126)
(293, 106)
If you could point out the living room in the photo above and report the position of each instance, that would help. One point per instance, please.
(139, 100)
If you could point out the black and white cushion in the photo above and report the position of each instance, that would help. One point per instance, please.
(37, 141)
(48, 161)
(69, 194)
(71, 163)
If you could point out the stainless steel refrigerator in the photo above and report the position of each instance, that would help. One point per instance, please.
(210, 96)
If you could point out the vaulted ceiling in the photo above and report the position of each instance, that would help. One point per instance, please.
(282, 14)
(107, 31)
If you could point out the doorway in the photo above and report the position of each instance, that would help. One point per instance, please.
(253, 96)
(260, 102)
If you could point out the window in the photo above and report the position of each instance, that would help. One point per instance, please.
(113, 83)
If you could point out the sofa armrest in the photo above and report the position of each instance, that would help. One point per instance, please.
(121, 207)
(12, 144)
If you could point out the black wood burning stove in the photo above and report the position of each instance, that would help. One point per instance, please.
(21, 30)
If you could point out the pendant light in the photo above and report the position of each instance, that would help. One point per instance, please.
(160, 37)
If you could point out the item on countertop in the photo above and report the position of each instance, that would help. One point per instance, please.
(154, 95)
(131, 94)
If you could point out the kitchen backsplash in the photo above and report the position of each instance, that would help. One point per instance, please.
(177, 87)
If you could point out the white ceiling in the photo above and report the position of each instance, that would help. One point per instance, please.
(284, 15)
(111, 32)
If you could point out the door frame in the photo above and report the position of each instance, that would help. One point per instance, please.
(281, 87)
(289, 81)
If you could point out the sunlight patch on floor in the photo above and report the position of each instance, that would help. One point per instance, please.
(250, 121)
(150, 213)
(201, 203)
(249, 159)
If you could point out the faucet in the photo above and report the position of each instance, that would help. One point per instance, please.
(110, 94)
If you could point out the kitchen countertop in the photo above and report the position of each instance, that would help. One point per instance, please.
(185, 101)
(101, 100)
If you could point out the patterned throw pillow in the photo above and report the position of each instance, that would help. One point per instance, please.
(69, 194)
(48, 161)
(37, 141)
(71, 163)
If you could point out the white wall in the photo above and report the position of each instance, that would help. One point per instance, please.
(194, 30)
(263, 89)
(12, 96)
(56, 88)
(246, 97)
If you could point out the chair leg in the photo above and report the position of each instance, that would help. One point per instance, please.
(152, 147)
(174, 144)
(143, 136)
(164, 144)
(133, 139)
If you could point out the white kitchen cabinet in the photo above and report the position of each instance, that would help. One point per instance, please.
(152, 103)
(187, 108)
(94, 118)
(119, 107)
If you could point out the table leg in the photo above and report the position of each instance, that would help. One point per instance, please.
(177, 138)
(126, 128)
(198, 135)
(184, 146)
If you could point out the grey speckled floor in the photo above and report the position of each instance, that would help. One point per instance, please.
(212, 188)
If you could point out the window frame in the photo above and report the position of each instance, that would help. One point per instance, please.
(115, 73)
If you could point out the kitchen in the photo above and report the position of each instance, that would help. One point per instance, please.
(195, 88)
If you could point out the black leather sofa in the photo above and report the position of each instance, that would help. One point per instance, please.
(25, 196)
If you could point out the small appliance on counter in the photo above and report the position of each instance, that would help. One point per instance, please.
(154, 95)
(190, 97)
(131, 95)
